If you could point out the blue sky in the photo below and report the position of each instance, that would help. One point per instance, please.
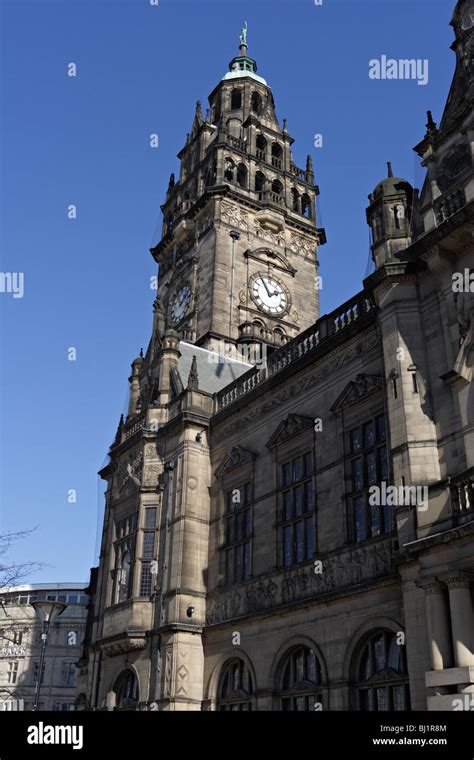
(85, 141)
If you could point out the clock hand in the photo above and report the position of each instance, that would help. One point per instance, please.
(266, 286)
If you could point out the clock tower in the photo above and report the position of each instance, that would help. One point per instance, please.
(238, 257)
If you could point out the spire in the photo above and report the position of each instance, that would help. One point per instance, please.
(431, 124)
(390, 170)
(309, 169)
(242, 65)
(193, 378)
(243, 40)
(198, 120)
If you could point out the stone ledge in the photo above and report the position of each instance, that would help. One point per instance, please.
(449, 676)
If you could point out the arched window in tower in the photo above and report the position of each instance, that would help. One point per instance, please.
(229, 169)
(261, 145)
(277, 190)
(126, 690)
(380, 680)
(256, 102)
(236, 99)
(277, 155)
(399, 215)
(378, 225)
(235, 692)
(260, 181)
(300, 680)
(123, 585)
(295, 199)
(216, 111)
(306, 208)
(242, 176)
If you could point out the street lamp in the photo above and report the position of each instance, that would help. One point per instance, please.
(46, 611)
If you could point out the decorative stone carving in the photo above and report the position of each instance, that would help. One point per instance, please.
(262, 232)
(339, 572)
(295, 389)
(234, 216)
(358, 389)
(299, 244)
(129, 471)
(123, 646)
(289, 428)
(236, 457)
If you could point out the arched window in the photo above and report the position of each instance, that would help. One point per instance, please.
(216, 111)
(242, 175)
(123, 585)
(229, 170)
(378, 225)
(126, 689)
(236, 99)
(380, 680)
(296, 199)
(261, 145)
(277, 155)
(256, 102)
(236, 688)
(260, 180)
(306, 206)
(277, 187)
(300, 686)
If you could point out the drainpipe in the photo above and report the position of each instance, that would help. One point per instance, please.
(235, 235)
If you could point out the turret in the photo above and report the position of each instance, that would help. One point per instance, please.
(389, 217)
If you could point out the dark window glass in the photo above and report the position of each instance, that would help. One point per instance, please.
(246, 561)
(237, 531)
(369, 468)
(297, 469)
(308, 496)
(381, 683)
(150, 517)
(146, 579)
(309, 538)
(287, 505)
(287, 474)
(148, 545)
(307, 464)
(298, 495)
(287, 546)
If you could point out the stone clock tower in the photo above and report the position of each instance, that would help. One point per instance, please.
(238, 258)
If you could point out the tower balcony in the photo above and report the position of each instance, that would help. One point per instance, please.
(268, 196)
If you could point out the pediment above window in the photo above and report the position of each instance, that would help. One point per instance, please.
(235, 458)
(289, 428)
(268, 256)
(358, 389)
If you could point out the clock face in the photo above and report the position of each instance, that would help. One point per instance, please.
(269, 295)
(181, 303)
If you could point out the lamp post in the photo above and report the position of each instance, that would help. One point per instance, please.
(46, 611)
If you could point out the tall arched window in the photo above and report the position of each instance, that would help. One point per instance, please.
(300, 685)
(256, 102)
(296, 199)
(242, 175)
(277, 155)
(236, 687)
(380, 680)
(229, 169)
(261, 145)
(306, 206)
(277, 188)
(126, 689)
(236, 99)
(260, 180)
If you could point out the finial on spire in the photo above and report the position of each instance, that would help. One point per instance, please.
(284, 125)
(193, 378)
(390, 170)
(243, 37)
(431, 124)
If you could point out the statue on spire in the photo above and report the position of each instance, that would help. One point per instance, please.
(243, 34)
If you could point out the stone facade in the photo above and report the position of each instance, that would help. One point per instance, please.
(296, 532)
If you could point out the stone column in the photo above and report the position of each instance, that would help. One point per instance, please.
(438, 626)
(461, 620)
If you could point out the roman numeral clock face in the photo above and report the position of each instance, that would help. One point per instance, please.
(269, 295)
(181, 303)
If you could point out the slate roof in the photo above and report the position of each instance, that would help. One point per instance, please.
(214, 371)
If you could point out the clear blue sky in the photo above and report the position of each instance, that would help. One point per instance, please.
(85, 141)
